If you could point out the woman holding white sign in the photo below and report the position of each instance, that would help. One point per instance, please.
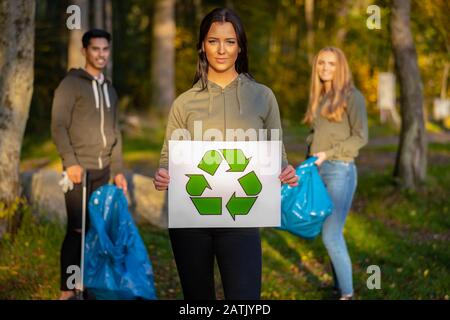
(224, 96)
(337, 115)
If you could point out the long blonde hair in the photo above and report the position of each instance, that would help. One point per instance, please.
(341, 85)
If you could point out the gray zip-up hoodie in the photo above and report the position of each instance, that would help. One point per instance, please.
(85, 124)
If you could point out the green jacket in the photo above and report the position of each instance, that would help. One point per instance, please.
(341, 140)
(243, 104)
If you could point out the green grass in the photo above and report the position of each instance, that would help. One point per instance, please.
(426, 211)
(405, 234)
(149, 139)
(29, 261)
(167, 284)
(38, 151)
(432, 147)
(378, 130)
(141, 150)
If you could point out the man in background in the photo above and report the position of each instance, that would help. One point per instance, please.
(85, 129)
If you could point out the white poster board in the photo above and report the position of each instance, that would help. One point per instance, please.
(224, 184)
(386, 98)
(441, 108)
(386, 91)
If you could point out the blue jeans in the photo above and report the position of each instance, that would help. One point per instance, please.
(340, 179)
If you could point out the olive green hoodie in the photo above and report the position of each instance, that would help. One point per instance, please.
(341, 140)
(243, 104)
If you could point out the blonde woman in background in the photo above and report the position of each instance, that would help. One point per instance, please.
(338, 119)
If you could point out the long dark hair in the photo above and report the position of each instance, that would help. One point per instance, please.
(221, 15)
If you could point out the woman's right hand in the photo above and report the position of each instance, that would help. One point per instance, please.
(321, 157)
(162, 179)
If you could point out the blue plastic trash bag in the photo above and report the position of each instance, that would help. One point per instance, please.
(116, 261)
(305, 207)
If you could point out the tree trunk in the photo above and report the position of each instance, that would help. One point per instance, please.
(411, 162)
(163, 60)
(444, 81)
(99, 17)
(102, 12)
(309, 17)
(109, 28)
(198, 11)
(342, 17)
(16, 88)
(75, 58)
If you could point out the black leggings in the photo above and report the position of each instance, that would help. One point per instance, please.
(238, 254)
(71, 247)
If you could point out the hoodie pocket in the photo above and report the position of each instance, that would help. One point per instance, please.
(84, 136)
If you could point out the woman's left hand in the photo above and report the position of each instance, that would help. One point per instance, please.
(288, 176)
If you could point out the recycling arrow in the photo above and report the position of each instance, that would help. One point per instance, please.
(240, 205)
(210, 162)
(235, 159)
(208, 206)
(251, 184)
(197, 184)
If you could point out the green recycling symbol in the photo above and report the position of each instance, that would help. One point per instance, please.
(209, 163)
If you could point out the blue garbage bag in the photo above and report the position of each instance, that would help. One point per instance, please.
(116, 266)
(305, 207)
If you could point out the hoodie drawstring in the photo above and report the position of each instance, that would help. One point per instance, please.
(210, 101)
(238, 94)
(94, 88)
(106, 94)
